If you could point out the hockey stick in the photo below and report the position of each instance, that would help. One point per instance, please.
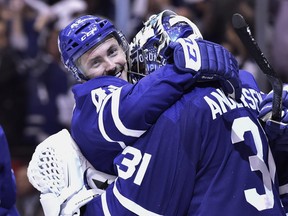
(243, 31)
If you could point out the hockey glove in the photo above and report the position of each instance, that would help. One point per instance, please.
(208, 61)
(58, 170)
(277, 132)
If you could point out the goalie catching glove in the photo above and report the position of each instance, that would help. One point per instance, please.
(277, 132)
(63, 176)
(207, 61)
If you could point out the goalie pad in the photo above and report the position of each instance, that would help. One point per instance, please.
(59, 171)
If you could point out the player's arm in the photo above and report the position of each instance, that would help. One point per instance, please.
(7, 182)
(193, 61)
(277, 133)
(130, 110)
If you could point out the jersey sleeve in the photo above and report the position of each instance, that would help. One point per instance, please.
(111, 114)
(136, 107)
(7, 180)
(204, 150)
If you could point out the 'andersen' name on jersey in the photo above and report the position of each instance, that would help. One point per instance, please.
(219, 103)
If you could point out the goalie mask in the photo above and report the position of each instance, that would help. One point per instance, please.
(147, 48)
(83, 34)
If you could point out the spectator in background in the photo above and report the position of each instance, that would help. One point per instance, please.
(27, 201)
(103, 8)
(48, 89)
(142, 9)
(216, 25)
(29, 56)
(12, 89)
(51, 11)
(33, 30)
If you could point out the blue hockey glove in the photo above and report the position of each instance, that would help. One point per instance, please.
(277, 132)
(208, 61)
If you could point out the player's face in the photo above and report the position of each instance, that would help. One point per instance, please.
(108, 58)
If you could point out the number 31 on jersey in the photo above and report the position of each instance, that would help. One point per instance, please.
(131, 163)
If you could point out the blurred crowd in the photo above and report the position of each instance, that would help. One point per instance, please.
(35, 93)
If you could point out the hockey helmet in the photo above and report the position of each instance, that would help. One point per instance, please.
(81, 35)
(147, 48)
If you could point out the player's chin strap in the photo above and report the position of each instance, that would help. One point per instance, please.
(54, 206)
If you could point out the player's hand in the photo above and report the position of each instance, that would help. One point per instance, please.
(277, 132)
(208, 61)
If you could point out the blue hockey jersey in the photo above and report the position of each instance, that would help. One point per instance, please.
(111, 114)
(7, 180)
(206, 155)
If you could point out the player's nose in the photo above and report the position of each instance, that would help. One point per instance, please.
(110, 67)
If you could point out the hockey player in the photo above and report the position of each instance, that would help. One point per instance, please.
(206, 155)
(206, 150)
(277, 133)
(7, 180)
(91, 47)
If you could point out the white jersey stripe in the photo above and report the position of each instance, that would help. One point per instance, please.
(101, 124)
(283, 189)
(130, 205)
(104, 205)
(118, 122)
